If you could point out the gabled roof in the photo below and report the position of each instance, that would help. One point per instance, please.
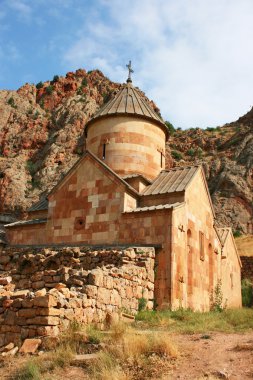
(155, 207)
(130, 176)
(128, 101)
(26, 222)
(42, 204)
(102, 164)
(173, 180)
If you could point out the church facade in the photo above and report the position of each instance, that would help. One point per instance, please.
(119, 194)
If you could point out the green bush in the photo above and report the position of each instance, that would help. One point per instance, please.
(170, 127)
(11, 102)
(39, 85)
(55, 78)
(176, 155)
(142, 303)
(237, 233)
(247, 293)
(49, 89)
(191, 152)
(199, 152)
(30, 371)
(84, 82)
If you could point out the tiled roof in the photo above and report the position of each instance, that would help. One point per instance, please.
(170, 181)
(126, 177)
(40, 205)
(25, 222)
(157, 207)
(128, 100)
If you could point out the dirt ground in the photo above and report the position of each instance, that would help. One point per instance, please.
(222, 355)
(214, 356)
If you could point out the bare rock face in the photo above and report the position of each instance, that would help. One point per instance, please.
(227, 156)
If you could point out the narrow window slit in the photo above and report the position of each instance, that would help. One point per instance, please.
(104, 145)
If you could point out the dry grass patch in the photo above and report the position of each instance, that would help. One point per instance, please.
(189, 322)
(133, 355)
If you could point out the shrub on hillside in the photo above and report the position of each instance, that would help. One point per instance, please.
(49, 90)
(39, 85)
(170, 127)
(247, 293)
(237, 233)
(176, 155)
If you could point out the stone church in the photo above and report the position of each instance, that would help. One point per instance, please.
(119, 194)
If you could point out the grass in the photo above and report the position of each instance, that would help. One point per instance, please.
(130, 354)
(30, 371)
(189, 322)
(127, 351)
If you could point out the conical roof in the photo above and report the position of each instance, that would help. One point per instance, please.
(128, 101)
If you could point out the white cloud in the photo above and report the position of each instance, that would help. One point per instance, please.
(193, 57)
(22, 8)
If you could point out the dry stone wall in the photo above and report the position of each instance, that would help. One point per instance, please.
(43, 290)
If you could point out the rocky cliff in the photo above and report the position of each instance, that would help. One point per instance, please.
(42, 135)
(227, 156)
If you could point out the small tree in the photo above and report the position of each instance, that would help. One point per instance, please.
(49, 90)
(55, 78)
(39, 85)
(191, 152)
(176, 155)
(11, 102)
(170, 127)
(84, 82)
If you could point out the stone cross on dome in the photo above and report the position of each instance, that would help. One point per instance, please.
(130, 71)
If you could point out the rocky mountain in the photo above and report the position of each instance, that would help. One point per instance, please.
(227, 156)
(42, 135)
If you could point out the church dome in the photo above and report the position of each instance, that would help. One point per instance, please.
(129, 102)
(128, 135)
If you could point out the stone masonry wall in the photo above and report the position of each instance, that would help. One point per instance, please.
(247, 267)
(42, 290)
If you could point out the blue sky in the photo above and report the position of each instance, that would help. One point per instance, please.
(192, 57)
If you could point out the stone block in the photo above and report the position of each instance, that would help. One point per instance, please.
(27, 303)
(104, 295)
(96, 277)
(7, 303)
(30, 346)
(11, 352)
(38, 284)
(115, 298)
(4, 259)
(40, 293)
(47, 330)
(91, 291)
(5, 280)
(20, 294)
(43, 320)
(27, 313)
(43, 311)
(45, 301)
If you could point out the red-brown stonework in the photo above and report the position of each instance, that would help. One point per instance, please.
(119, 194)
